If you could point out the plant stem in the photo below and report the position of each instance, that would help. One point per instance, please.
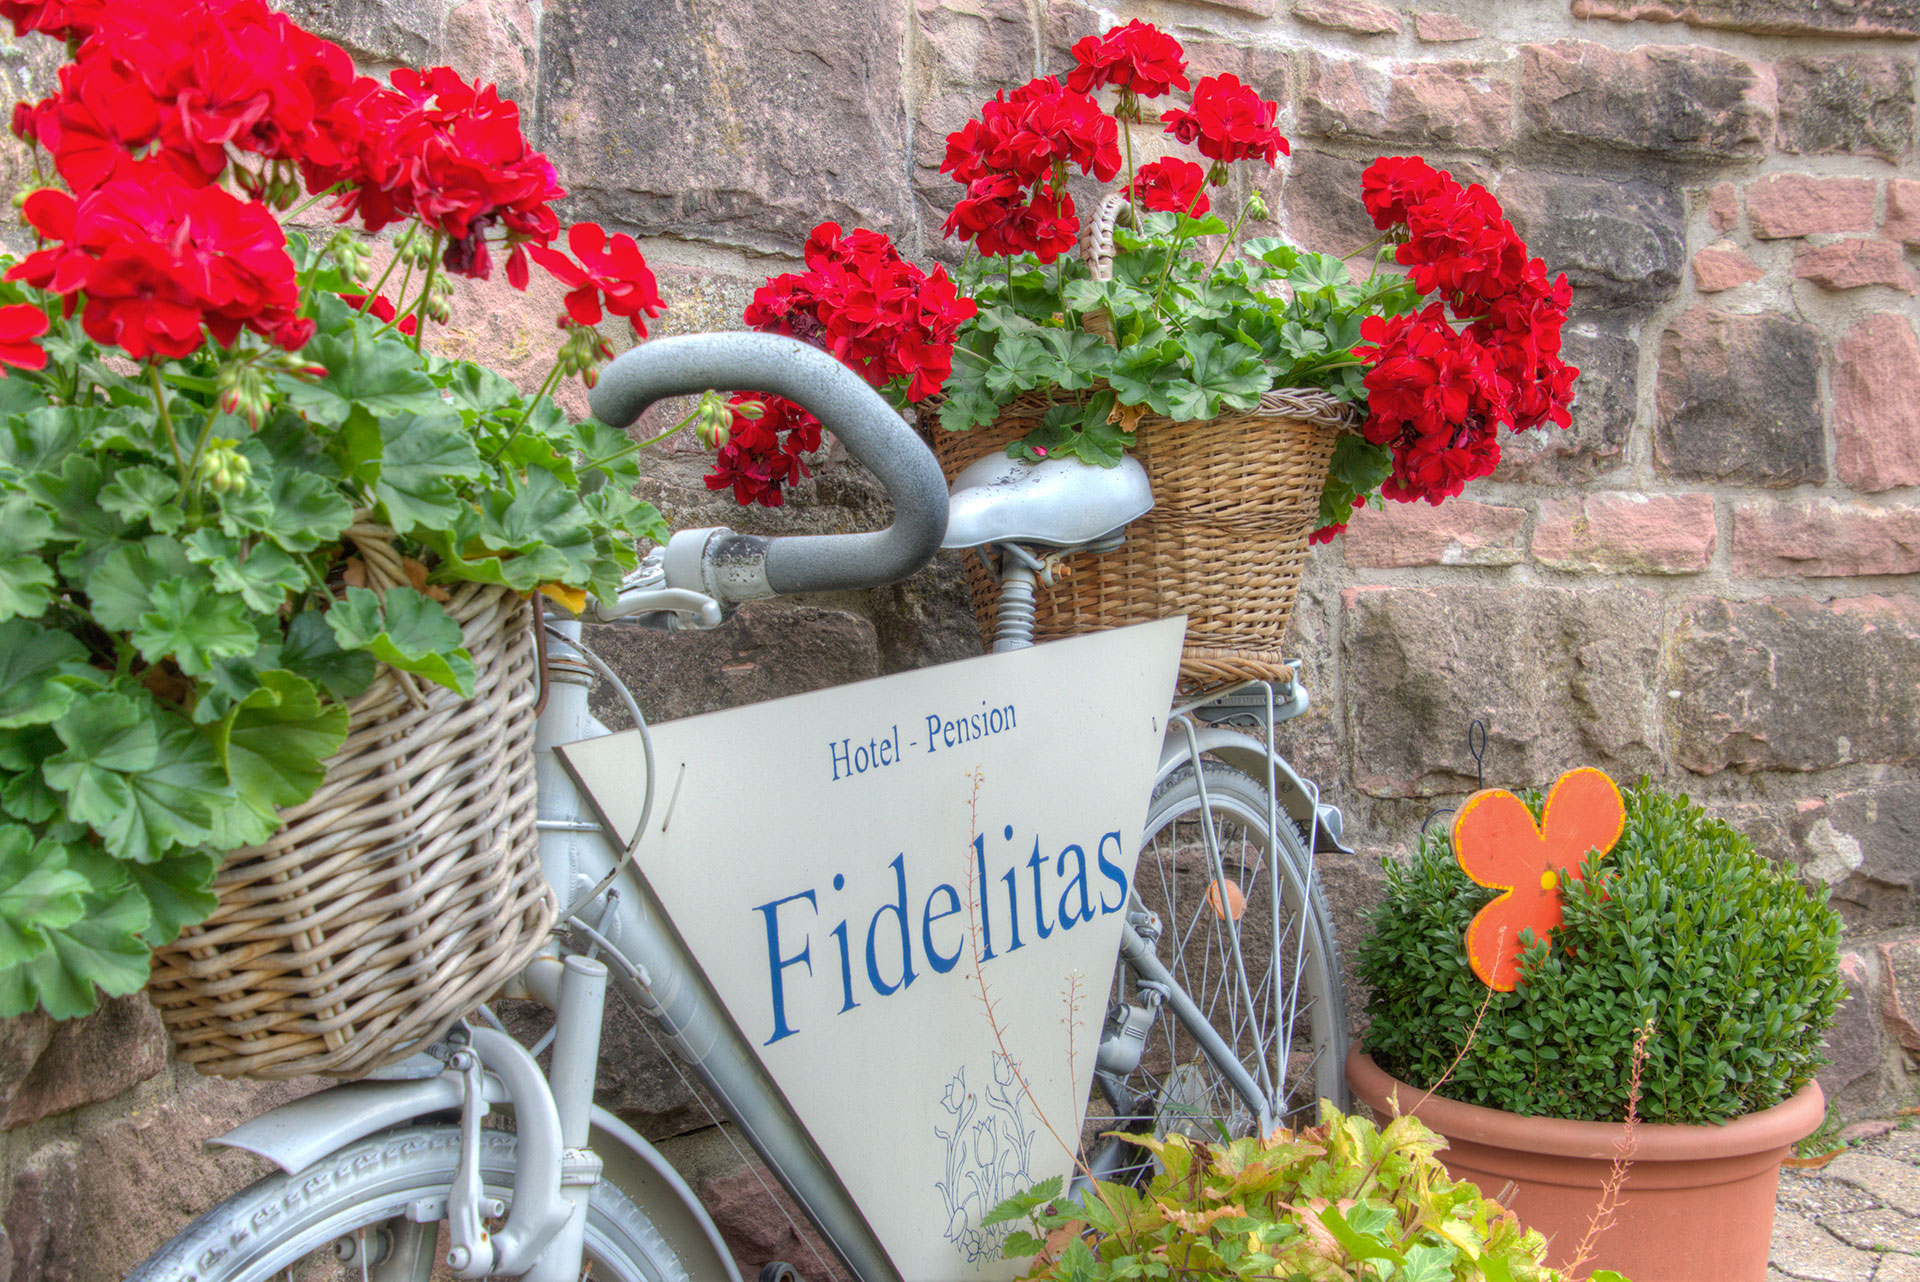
(314, 200)
(426, 293)
(1234, 231)
(1364, 248)
(392, 263)
(166, 422)
(553, 377)
(1126, 136)
(631, 446)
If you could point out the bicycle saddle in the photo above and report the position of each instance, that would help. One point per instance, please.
(1056, 502)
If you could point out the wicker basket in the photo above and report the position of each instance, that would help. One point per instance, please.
(398, 896)
(1225, 544)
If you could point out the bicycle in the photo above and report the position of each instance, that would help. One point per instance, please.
(1225, 1014)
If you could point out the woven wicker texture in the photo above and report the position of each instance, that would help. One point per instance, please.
(395, 899)
(1225, 544)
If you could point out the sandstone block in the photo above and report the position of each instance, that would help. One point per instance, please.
(1784, 205)
(1413, 103)
(757, 1220)
(765, 651)
(41, 1216)
(1900, 961)
(1738, 398)
(1851, 264)
(117, 1047)
(1854, 105)
(1876, 404)
(1356, 17)
(1258, 8)
(22, 1039)
(1622, 242)
(1864, 843)
(1791, 683)
(1434, 27)
(1603, 413)
(1563, 677)
(774, 120)
(397, 32)
(1322, 202)
(1458, 532)
(498, 42)
(1679, 102)
(1626, 533)
(1854, 1042)
(1902, 222)
(1823, 537)
(1723, 206)
(1722, 266)
(1767, 17)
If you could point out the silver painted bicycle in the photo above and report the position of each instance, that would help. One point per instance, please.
(1225, 1014)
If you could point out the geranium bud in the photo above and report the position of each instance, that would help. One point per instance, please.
(750, 410)
(224, 468)
(440, 300)
(352, 256)
(1257, 208)
(712, 421)
(243, 391)
(416, 251)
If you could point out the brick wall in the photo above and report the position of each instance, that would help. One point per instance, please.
(1709, 579)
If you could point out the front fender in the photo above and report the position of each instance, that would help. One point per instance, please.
(1299, 797)
(297, 1135)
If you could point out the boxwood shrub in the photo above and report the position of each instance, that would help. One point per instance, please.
(1682, 922)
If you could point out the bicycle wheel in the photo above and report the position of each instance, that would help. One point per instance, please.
(313, 1226)
(1268, 983)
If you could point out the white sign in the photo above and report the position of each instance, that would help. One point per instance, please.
(851, 866)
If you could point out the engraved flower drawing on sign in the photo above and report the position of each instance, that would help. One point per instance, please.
(989, 1150)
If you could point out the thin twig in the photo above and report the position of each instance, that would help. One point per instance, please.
(1607, 1210)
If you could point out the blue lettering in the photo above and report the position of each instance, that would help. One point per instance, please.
(846, 969)
(840, 757)
(1013, 909)
(940, 963)
(933, 731)
(986, 918)
(1067, 916)
(1111, 872)
(776, 963)
(1039, 905)
(862, 762)
(899, 909)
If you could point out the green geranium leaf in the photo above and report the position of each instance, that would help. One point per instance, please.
(300, 512)
(72, 496)
(194, 626)
(407, 630)
(38, 440)
(420, 457)
(174, 803)
(38, 894)
(479, 389)
(1228, 373)
(274, 744)
(26, 796)
(121, 589)
(312, 650)
(144, 494)
(1020, 362)
(262, 580)
(108, 735)
(1139, 372)
(26, 580)
(39, 669)
(101, 951)
(382, 377)
(178, 891)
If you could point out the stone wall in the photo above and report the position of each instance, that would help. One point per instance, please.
(1710, 579)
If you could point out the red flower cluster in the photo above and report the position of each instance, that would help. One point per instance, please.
(875, 311)
(1437, 394)
(1172, 186)
(381, 309)
(451, 153)
(61, 19)
(612, 270)
(1137, 59)
(1228, 122)
(762, 455)
(158, 259)
(1014, 161)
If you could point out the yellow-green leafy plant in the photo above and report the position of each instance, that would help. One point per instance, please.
(1343, 1201)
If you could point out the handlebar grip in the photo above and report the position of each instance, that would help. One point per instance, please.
(845, 406)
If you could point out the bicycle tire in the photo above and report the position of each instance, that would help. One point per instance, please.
(1176, 1086)
(286, 1225)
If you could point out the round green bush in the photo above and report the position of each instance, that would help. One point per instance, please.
(1682, 923)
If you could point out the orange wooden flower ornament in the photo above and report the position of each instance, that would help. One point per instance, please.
(1497, 843)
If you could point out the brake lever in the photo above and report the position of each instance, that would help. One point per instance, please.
(673, 609)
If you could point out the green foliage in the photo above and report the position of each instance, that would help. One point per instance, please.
(1340, 1202)
(1682, 923)
(177, 643)
(1195, 333)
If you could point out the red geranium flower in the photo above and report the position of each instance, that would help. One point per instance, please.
(1228, 122)
(762, 455)
(381, 309)
(61, 19)
(1172, 186)
(20, 324)
(613, 269)
(1138, 58)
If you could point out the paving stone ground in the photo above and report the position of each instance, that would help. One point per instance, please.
(1857, 1219)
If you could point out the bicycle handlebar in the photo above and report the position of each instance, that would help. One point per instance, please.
(741, 567)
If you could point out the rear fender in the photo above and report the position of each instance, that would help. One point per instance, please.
(1299, 797)
(297, 1135)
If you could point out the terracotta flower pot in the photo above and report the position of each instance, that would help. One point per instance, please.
(1697, 1205)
